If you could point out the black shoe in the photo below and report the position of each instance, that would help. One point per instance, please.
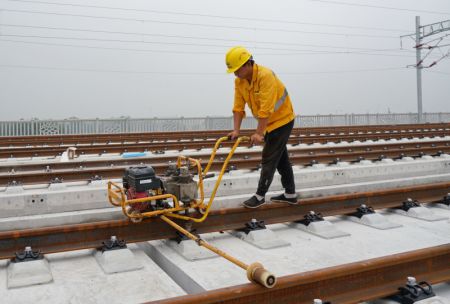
(253, 202)
(283, 199)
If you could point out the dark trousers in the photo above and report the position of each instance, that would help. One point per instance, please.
(275, 157)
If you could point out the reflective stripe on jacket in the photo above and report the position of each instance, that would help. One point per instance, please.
(266, 96)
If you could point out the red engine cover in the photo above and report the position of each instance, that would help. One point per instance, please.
(132, 194)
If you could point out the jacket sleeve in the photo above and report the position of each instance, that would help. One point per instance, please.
(239, 102)
(267, 95)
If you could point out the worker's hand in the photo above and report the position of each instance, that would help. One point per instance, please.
(234, 134)
(256, 139)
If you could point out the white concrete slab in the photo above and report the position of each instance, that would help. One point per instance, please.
(422, 213)
(171, 269)
(375, 220)
(321, 175)
(307, 251)
(91, 204)
(263, 238)
(190, 250)
(67, 197)
(118, 260)
(236, 200)
(28, 273)
(209, 273)
(434, 300)
(323, 229)
(78, 279)
(63, 218)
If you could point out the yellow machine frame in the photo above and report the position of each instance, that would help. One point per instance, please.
(117, 197)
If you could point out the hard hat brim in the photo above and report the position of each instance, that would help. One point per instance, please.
(229, 71)
(232, 70)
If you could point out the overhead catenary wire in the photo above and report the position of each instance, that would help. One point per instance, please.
(188, 73)
(113, 48)
(187, 51)
(195, 37)
(204, 15)
(430, 50)
(302, 52)
(439, 72)
(381, 7)
(438, 60)
(194, 52)
(208, 25)
(293, 51)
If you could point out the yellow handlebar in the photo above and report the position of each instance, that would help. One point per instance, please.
(219, 178)
(117, 196)
(213, 154)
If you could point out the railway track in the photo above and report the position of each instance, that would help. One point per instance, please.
(160, 147)
(91, 235)
(29, 173)
(348, 283)
(142, 142)
(345, 284)
(212, 134)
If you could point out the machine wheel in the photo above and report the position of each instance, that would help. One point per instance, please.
(135, 219)
(200, 210)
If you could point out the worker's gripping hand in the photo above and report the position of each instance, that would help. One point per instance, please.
(256, 139)
(234, 134)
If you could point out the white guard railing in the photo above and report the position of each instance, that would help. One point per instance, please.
(126, 125)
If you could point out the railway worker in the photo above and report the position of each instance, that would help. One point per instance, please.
(270, 104)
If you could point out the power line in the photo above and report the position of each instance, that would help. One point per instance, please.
(104, 71)
(207, 15)
(187, 73)
(381, 7)
(189, 52)
(195, 37)
(345, 71)
(293, 51)
(331, 53)
(438, 72)
(113, 48)
(208, 25)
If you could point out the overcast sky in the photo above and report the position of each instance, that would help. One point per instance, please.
(165, 58)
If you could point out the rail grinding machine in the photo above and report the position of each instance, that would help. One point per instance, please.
(144, 194)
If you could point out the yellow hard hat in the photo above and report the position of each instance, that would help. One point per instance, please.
(236, 57)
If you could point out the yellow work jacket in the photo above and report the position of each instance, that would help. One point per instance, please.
(266, 96)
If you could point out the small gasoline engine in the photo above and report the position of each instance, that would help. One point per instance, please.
(144, 194)
(141, 182)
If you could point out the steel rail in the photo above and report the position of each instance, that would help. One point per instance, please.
(126, 146)
(162, 157)
(90, 138)
(244, 160)
(344, 284)
(91, 235)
